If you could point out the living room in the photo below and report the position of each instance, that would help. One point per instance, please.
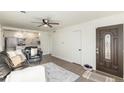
(67, 48)
(79, 53)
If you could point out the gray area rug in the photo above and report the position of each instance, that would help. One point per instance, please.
(55, 73)
(97, 77)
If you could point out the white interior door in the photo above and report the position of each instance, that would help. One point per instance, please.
(76, 46)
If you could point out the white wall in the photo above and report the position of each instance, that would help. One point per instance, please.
(61, 46)
(63, 51)
(88, 39)
(45, 42)
(50, 42)
(65, 46)
(1, 39)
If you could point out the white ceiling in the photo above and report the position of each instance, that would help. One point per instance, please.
(65, 18)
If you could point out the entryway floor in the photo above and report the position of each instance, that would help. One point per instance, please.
(78, 69)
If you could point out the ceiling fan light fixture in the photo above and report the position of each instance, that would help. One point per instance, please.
(45, 25)
(46, 20)
(24, 12)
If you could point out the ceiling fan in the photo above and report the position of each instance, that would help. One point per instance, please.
(46, 23)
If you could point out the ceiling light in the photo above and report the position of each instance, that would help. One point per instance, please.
(45, 25)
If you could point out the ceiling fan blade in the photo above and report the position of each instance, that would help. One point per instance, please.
(54, 23)
(40, 25)
(37, 22)
(49, 25)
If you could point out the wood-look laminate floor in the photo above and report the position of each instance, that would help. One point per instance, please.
(78, 69)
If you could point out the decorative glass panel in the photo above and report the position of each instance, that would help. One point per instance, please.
(107, 46)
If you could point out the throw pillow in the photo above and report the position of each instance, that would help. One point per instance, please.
(11, 53)
(16, 60)
(33, 51)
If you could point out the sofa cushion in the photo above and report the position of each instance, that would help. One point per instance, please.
(16, 60)
(15, 53)
(5, 69)
(11, 53)
(30, 74)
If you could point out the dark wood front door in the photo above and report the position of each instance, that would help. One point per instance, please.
(109, 49)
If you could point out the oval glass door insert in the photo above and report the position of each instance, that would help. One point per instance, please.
(108, 46)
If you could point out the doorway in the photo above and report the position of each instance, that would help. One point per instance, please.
(76, 48)
(109, 49)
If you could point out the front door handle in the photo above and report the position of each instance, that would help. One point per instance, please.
(97, 50)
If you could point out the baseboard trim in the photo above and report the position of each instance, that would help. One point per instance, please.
(66, 60)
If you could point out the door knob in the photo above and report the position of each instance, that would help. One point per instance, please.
(79, 49)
